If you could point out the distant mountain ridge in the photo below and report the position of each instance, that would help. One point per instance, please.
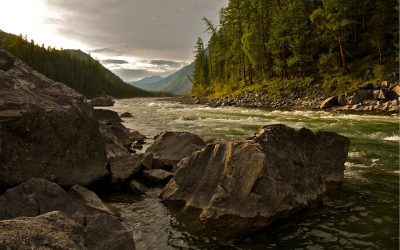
(178, 83)
(74, 68)
(147, 80)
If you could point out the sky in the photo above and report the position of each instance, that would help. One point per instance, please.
(133, 38)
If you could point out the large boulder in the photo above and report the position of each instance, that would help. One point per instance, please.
(106, 232)
(171, 147)
(39, 196)
(242, 186)
(157, 176)
(49, 231)
(47, 130)
(102, 102)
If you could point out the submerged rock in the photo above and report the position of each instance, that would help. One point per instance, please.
(47, 130)
(171, 147)
(243, 186)
(102, 102)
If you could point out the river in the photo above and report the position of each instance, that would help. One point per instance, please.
(362, 214)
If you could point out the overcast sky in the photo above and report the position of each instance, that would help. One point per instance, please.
(134, 38)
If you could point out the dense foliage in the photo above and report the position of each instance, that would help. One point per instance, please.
(334, 42)
(74, 68)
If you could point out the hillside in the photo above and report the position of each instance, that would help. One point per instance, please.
(178, 83)
(73, 67)
(147, 80)
(278, 48)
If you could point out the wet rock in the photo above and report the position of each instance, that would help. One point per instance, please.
(39, 196)
(171, 147)
(106, 232)
(157, 176)
(239, 187)
(136, 136)
(124, 168)
(136, 187)
(126, 115)
(52, 230)
(86, 201)
(359, 96)
(102, 102)
(329, 102)
(47, 130)
(106, 116)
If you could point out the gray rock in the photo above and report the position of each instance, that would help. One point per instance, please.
(157, 176)
(124, 168)
(39, 196)
(126, 115)
(136, 136)
(114, 146)
(239, 187)
(359, 96)
(329, 102)
(106, 116)
(47, 130)
(106, 232)
(102, 102)
(49, 231)
(171, 147)
(136, 187)
(35, 197)
(86, 201)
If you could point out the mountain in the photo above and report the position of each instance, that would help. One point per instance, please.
(179, 83)
(147, 80)
(74, 68)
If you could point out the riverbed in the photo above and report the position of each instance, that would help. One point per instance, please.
(361, 214)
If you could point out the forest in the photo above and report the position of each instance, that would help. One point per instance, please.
(287, 45)
(74, 68)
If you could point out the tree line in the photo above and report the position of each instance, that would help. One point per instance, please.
(73, 68)
(259, 40)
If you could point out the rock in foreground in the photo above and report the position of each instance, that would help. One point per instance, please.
(82, 216)
(243, 186)
(46, 130)
(49, 231)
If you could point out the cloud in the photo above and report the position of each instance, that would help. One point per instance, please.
(172, 64)
(130, 75)
(140, 28)
(114, 61)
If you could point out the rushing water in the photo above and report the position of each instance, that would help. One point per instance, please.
(362, 214)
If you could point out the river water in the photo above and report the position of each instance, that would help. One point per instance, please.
(362, 214)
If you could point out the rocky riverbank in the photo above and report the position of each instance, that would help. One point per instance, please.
(57, 151)
(373, 97)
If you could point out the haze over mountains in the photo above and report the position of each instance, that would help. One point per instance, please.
(179, 83)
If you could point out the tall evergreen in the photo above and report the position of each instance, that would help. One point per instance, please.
(258, 41)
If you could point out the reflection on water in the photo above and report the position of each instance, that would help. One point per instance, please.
(363, 213)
